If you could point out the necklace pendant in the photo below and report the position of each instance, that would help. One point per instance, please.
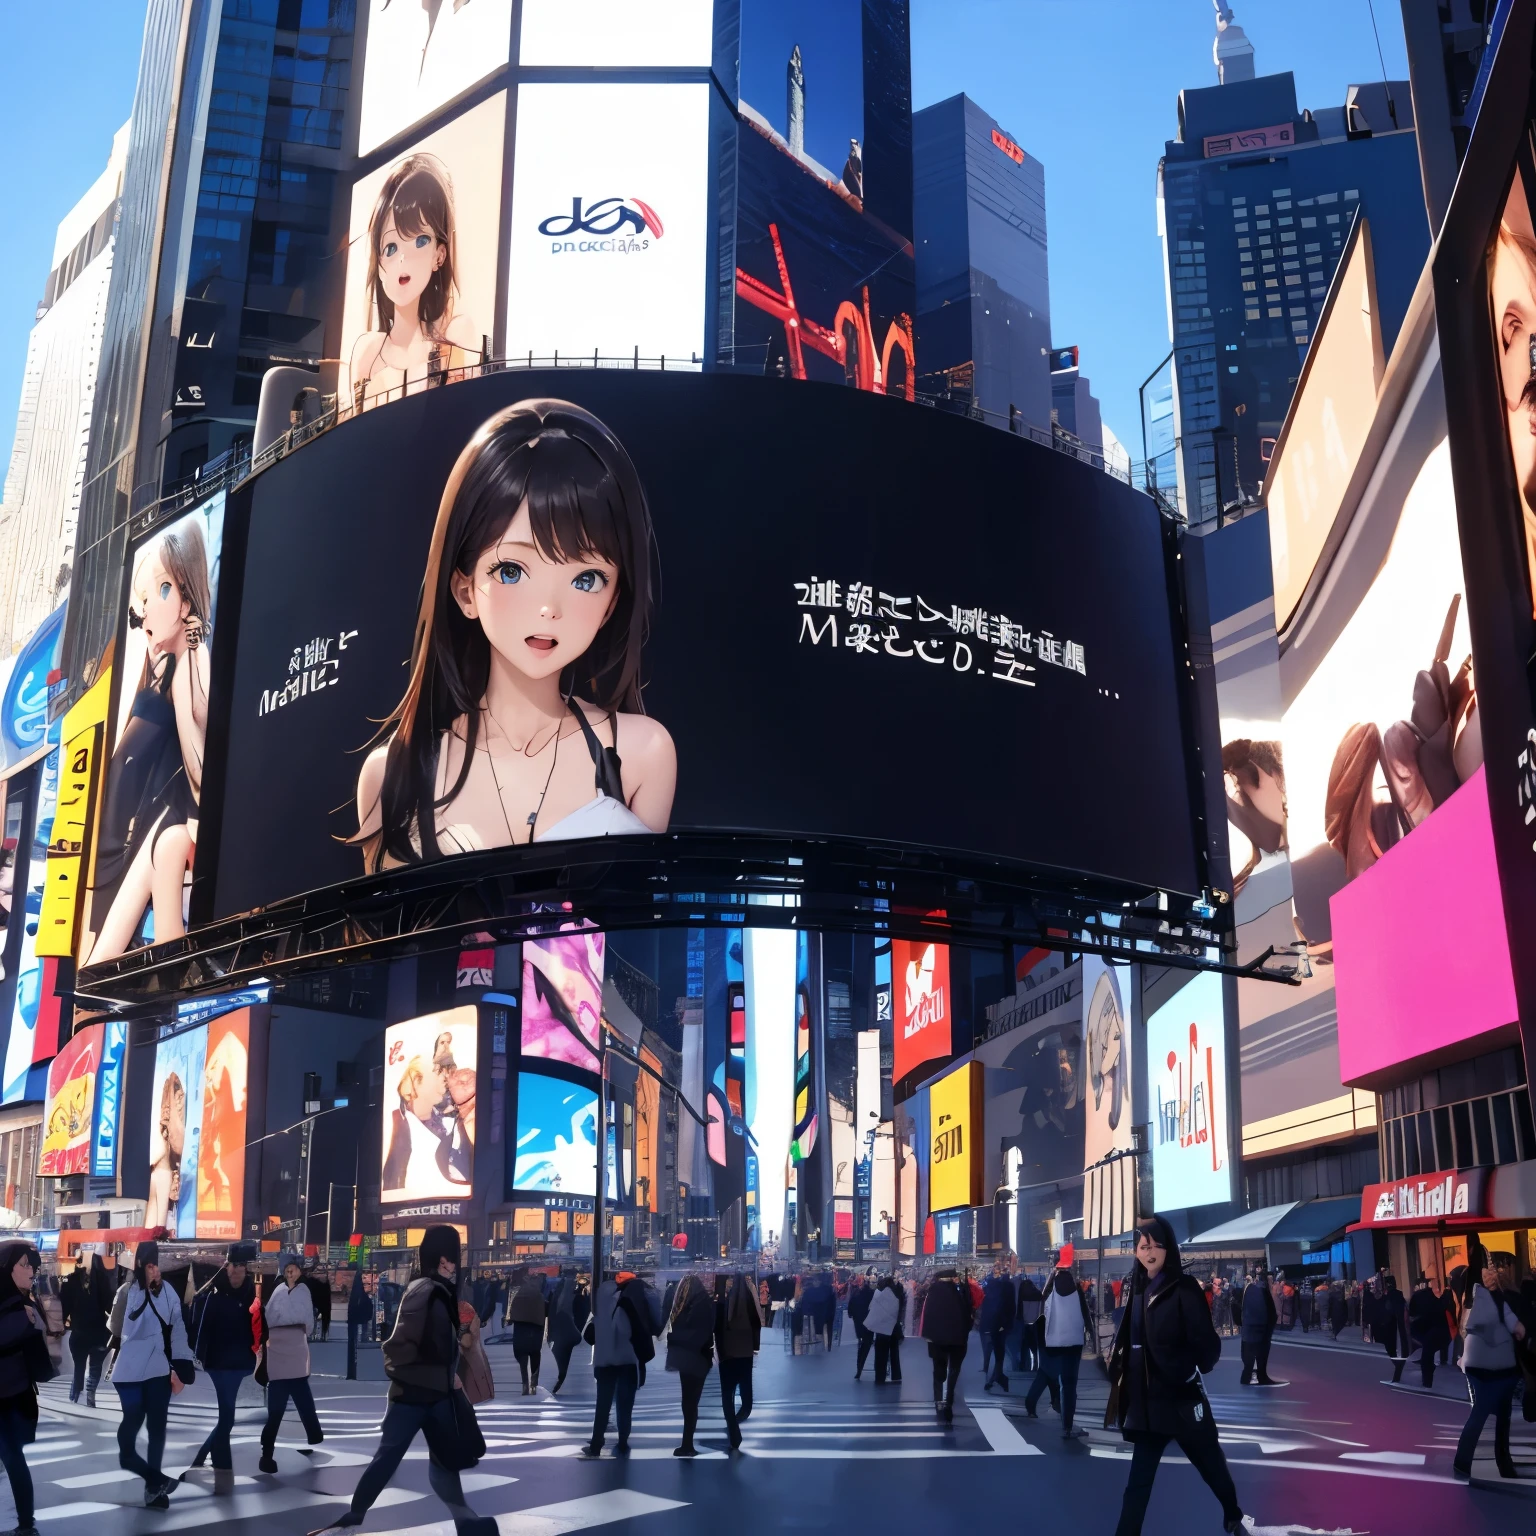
(533, 816)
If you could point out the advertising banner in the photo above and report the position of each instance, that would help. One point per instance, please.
(33, 997)
(1109, 1202)
(421, 261)
(563, 998)
(146, 839)
(418, 58)
(24, 728)
(920, 979)
(175, 1133)
(1460, 1192)
(68, 1112)
(221, 1156)
(429, 1106)
(610, 230)
(623, 34)
(109, 1099)
(955, 1122)
(844, 624)
(556, 1149)
(1187, 1081)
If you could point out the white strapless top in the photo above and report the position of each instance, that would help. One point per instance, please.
(601, 816)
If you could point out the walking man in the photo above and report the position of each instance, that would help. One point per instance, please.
(997, 1311)
(1259, 1318)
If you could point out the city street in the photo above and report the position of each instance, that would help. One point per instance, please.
(1332, 1451)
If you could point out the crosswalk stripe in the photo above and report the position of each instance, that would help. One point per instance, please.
(1001, 1435)
(562, 1518)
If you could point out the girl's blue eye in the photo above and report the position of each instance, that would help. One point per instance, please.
(590, 581)
(423, 241)
(507, 573)
(165, 590)
(390, 249)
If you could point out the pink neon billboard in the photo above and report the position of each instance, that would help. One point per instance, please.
(1421, 953)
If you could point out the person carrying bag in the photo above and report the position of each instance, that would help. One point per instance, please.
(24, 1362)
(422, 1358)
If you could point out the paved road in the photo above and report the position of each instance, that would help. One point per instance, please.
(1333, 1451)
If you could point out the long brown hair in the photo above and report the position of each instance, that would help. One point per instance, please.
(419, 194)
(184, 557)
(584, 498)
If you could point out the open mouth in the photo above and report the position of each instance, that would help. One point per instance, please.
(541, 642)
(403, 279)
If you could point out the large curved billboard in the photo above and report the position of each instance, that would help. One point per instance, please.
(695, 604)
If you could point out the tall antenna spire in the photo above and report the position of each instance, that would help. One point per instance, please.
(795, 89)
(1232, 51)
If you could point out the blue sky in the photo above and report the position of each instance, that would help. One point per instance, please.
(1089, 86)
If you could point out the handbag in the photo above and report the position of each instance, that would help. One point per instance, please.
(453, 1432)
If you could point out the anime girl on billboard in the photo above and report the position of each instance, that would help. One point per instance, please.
(149, 821)
(165, 1151)
(533, 613)
(420, 337)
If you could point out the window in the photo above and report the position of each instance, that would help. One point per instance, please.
(1242, 245)
(1333, 218)
(1241, 229)
(1261, 208)
(1285, 222)
(1309, 223)
(1263, 223)
(1328, 197)
(1249, 287)
(1281, 207)
(1352, 196)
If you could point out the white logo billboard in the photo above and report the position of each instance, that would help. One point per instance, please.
(610, 215)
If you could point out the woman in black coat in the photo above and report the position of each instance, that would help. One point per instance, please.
(224, 1340)
(1428, 1327)
(691, 1351)
(1166, 1341)
(87, 1295)
(1391, 1325)
(24, 1362)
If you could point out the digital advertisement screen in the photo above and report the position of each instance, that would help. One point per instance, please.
(1014, 625)
(109, 1099)
(419, 57)
(624, 34)
(429, 1106)
(563, 998)
(146, 838)
(176, 1133)
(955, 1120)
(28, 997)
(1187, 1097)
(221, 1152)
(609, 230)
(421, 261)
(1105, 1083)
(924, 1006)
(69, 1110)
(556, 1150)
(1512, 292)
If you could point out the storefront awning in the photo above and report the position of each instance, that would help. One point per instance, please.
(1250, 1227)
(1315, 1221)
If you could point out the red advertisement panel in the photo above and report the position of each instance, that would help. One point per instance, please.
(920, 981)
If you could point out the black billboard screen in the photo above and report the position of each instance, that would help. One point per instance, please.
(867, 620)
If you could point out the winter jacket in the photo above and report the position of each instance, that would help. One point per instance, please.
(1391, 1321)
(947, 1314)
(739, 1321)
(563, 1330)
(139, 1320)
(1489, 1330)
(612, 1343)
(359, 1304)
(16, 1331)
(997, 1305)
(290, 1315)
(1427, 1322)
(527, 1304)
(422, 1354)
(1067, 1323)
(884, 1312)
(87, 1296)
(1259, 1315)
(1030, 1302)
(859, 1298)
(221, 1326)
(320, 1294)
(690, 1340)
(1161, 1391)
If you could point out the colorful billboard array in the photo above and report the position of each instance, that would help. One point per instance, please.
(429, 1107)
(197, 1129)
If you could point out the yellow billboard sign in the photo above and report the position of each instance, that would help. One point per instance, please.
(74, 820)
(955, 1111)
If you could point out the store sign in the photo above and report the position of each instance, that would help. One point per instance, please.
(1424, 1199)
(1247, 140)
(955, 1111)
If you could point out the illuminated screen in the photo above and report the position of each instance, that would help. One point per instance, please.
(421, 299)
(840, 624)
(146, 840)
(1512, 285)
(221, 1153)
(563, 998)
(429, 1106)
(28, 1000)
(556, 1149)
(175, 1133)
(923, 1003)
(418, 57)
(609, 229)
(1187, 1098)
(68, 1112)
(631, 34)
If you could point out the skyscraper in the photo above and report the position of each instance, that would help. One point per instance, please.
(983, 289)
(1255, 199)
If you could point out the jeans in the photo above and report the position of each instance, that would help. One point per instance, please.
(528, 1364)
(887, 1356)
(226, 1387)
(1490, 1395)
(16, 1431)
(693, 1391)
(402, 1423)
(84, 1353)
(614, 1381)
(1058, 1371)
(993, 1343)
(1205, 1455)
(278, 1395)
(736, 1375)
(947, 1360)
(866, 1343)
(1255, 1357)
(144, 1403)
